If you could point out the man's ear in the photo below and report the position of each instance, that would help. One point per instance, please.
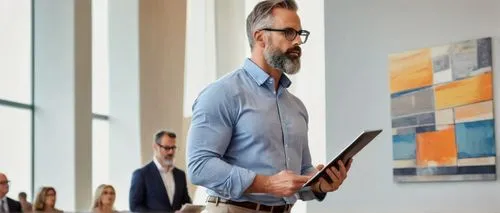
(259, 38)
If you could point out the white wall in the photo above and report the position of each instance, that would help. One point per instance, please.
(359, 36)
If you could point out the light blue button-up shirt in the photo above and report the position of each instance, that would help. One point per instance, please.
(241, 126)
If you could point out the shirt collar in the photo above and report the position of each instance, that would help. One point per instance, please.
(159, 167)
(260, 76)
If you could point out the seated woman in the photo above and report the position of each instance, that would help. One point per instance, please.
(45, 200)
(104, 199)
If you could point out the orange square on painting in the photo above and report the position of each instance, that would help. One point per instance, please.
(437, 148)
(466, 91)
(410, 70)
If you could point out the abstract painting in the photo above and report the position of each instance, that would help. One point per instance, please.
(442, 113)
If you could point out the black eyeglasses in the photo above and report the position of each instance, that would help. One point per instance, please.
(167, 148)
(6, 182)
(291, 34)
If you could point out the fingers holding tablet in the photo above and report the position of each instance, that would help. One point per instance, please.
(337, 177)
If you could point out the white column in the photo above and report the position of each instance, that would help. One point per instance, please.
(230, 34)
(124, 107)
(62, 60)
(200, 61)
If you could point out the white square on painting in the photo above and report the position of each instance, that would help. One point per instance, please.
(444, 117)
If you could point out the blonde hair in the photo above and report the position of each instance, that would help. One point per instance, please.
(41, 196)
(98, 194)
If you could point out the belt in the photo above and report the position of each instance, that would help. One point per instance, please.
(250, 205)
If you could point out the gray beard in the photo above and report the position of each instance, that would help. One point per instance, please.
(168, 162)
(280, 61)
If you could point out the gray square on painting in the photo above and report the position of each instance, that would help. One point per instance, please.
(426, 118)
(463, 58)
(404, 122)
(484, 52)
(413, 103)
(406, 130)
(440, 63)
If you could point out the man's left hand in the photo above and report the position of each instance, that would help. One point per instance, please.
(336, 175)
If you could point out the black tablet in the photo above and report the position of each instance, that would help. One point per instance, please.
(359, 143)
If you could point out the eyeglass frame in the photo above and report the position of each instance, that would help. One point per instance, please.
(289, 29)
(7, 182)
(167, 148)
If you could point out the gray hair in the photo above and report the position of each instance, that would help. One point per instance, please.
(261, 16)
(159, 135)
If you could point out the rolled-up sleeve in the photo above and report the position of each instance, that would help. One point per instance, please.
(214, 115)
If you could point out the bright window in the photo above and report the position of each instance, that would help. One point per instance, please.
(15, 50)
(15, 95)
(15, 148)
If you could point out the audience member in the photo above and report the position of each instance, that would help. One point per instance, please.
(25, 205)
(104, 199)
(46, 200)
(7, 205)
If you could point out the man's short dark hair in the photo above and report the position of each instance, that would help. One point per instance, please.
(162, 133)
(23, 194)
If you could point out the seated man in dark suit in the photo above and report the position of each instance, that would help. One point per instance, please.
(7, 205)
(159, 186)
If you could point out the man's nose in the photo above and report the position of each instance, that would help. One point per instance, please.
(297, 41)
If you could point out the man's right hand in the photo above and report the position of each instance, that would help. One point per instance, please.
(283, 184)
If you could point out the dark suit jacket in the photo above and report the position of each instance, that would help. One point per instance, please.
(148, 193)
(14, 206)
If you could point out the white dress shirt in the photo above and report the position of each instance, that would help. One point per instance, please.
(5, 204)
(168, 180)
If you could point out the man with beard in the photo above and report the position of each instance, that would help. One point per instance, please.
(248, 143)
(159, 186)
